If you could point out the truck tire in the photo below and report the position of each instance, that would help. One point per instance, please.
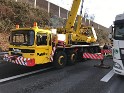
(72, 58)
(79, 57)
(60, 59)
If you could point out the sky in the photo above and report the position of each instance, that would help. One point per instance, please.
(104, 10)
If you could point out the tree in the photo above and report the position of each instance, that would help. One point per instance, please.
(86, 13)
(92, 17)
(89, 16)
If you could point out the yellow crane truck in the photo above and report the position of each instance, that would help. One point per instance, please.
(32, 46)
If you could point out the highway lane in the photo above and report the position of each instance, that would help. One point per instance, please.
(115, 85)
(9, 69)
(81, 78)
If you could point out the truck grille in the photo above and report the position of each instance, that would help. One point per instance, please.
(24, 50)
(18, 54)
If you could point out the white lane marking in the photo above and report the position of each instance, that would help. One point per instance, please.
(108, 76)
(22, 75)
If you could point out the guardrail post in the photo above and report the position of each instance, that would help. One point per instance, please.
(59, 11)
(102, 65)
(35, 2)
(48, 7)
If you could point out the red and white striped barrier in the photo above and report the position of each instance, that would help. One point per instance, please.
(93, 56)
(97, 56)
(60, 42)
(19, 60)
(52, 54)
(106, 51)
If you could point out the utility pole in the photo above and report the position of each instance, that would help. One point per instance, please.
(35, 3)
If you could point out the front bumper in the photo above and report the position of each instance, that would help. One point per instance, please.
(118, 67)
(118, 71)
(19, 60)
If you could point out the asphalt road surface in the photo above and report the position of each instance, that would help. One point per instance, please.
(80, 78)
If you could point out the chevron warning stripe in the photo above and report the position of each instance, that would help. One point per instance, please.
(93, 56)
(106, 51)
(52, 53)
(19, 60)
(97, 56)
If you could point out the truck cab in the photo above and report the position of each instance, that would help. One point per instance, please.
(33, 44)
(118, 45)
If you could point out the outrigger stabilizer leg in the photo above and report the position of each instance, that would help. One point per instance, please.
(102, 65)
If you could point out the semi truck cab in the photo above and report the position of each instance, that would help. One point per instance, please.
(118, 44)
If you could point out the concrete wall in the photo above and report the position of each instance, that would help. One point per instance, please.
(43, 4)
(54, 9)
(63, 13)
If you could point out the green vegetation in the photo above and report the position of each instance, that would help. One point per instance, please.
(102, 36)
(12, 13)
(57, 22)
(20, 13)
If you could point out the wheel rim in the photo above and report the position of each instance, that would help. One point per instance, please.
(73, 57)
(60, 61)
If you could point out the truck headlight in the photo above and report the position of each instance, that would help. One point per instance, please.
(118, 66)
(115, 51)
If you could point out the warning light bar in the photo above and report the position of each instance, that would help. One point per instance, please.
(35, 24)
(17, 26)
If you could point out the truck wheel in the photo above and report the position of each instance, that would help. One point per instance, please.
(79, 57)
(72, 58)
(60, 59)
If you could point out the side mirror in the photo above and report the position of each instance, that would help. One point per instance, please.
(9, 39)
(110, 36)
(38, 40)
(112, 32)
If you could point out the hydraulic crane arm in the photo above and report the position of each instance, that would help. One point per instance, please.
(79, 18)
(72, 15)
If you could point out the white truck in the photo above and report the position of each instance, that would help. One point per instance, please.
(118, 44)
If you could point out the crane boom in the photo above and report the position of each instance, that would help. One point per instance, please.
(72, 15)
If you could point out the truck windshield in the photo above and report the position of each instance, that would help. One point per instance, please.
(119, 32)
(22, 37)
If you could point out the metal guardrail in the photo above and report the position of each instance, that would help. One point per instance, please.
(1, 53)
